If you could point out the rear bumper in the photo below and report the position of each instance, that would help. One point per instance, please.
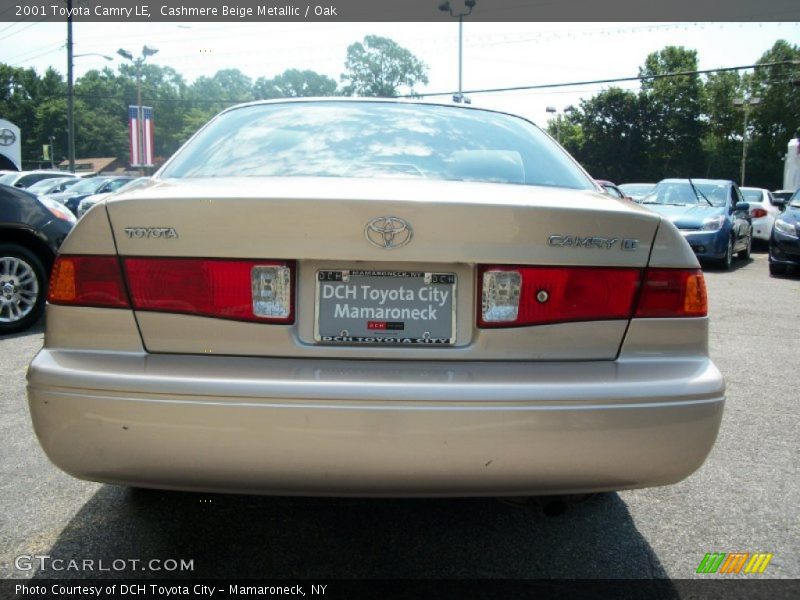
(374, 428)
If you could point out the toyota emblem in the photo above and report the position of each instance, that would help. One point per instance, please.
(388, 232)
(7, 137)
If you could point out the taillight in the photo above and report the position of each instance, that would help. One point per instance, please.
(757, 213)
(514, 296)
(250, 290)
(87, 281)
(673, 293)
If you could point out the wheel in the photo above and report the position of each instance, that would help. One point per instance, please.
(726, 261)
(23, 288)
(777, 269)
(745, 254)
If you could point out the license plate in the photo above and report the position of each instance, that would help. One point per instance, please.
(385, 307)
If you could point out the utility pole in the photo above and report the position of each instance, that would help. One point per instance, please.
(745, 103)
(70, 94)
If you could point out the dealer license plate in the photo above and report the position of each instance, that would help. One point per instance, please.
(385, 307)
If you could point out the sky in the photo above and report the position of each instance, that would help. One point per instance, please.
(495, 54)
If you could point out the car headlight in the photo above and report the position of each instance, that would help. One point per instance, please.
(713, 223)
(785, 227)
(58, 209)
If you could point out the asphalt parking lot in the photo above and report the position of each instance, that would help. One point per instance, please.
(744, 499)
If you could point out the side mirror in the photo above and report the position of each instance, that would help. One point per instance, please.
(742, 207)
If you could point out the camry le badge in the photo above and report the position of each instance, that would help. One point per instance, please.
(604, 243)
(388, 232)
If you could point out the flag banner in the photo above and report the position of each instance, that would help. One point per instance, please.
(142, 136)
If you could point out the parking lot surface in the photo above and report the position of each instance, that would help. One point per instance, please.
(743, 499)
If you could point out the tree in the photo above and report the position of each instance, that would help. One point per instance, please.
(293, 83)
(776, 119)
(611, 135)
(722, 144)
(674, 128)
(381, 67)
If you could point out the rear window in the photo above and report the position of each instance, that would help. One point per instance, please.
(375, 140)
(752, 195)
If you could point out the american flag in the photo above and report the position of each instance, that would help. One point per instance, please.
(142, 139)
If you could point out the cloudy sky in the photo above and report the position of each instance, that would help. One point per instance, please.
(495, 54)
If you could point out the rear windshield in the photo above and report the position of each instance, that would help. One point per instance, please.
(376, 139)
(752, 195)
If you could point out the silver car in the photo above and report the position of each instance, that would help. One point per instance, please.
(377, 298)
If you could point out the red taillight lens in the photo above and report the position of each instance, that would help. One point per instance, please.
(230, 289)
(757, 213)
(554, 294)
(673, 293)
(87, 281)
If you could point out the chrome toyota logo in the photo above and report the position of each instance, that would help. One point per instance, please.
(7, 137)
(388, 232)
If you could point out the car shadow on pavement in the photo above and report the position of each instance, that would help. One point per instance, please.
(282, 537)
(37, 327)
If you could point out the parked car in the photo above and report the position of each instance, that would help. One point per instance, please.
(375, 297)
(763, 211)
(30, 234)
(612, 189)
(637, 191)
(53, 186)
(710, 213)
(784, 242)
(95, 185)
(89, 201)
(25, 179)
(781, 197)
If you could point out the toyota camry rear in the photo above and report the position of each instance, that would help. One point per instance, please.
(337, 297)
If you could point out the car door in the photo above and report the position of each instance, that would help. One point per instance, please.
(741, 219)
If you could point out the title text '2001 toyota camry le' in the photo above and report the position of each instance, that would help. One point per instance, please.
(375, 298)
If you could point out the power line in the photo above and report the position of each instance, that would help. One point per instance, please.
(542, 86)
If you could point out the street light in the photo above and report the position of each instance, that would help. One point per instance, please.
(138, 62)
(745, 103)
(445, 7)
(554, 110)
(71, 91)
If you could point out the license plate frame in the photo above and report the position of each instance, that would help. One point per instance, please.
(404, 331)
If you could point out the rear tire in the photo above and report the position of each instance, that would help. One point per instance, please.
(776, 269)
(23, 288)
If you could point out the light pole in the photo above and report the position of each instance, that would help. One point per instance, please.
(71, 90)
(138, 62)
(445, 7)
(745, 103)
(554, 110)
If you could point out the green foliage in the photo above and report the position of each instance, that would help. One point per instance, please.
(293, 83)
(381, 67)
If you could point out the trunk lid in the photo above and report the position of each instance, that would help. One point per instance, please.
(319, 225)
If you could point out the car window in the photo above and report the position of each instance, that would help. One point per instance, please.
(87, 186)
(682, 192)
(116, 184)
(752, 195)
(375, 140)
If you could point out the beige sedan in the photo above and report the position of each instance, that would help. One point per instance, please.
(375, 298)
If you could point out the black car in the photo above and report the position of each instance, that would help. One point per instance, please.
(784, 242)
(30, 233)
